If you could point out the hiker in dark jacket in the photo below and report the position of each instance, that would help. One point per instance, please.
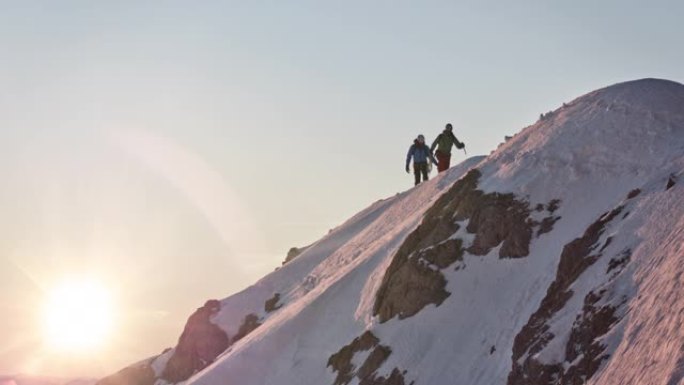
(443, 143)
(420, 153)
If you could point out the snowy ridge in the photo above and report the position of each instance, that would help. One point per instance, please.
(557, 259)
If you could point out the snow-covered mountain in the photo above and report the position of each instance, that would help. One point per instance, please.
(558, 259)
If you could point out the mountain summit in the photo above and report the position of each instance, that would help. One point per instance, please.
(555, 260)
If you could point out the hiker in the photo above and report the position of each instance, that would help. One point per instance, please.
(420, 153)
(443, 142)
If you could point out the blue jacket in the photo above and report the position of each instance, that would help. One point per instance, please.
(420, 153)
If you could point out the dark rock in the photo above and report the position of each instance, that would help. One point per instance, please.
(492, 350)
(633, 193)
(609, 240)
(594, 322)
(377, 357)
(272, 303)
(409, 286)
(444, 254)
(395, 378)
(198, 346)
(619, 262)
(341, 362)
(546, 225)
(500, 218)
(670, 182)
(553, 205)
(496, 219)
(575, 258)
(294, 253)
(249, 323)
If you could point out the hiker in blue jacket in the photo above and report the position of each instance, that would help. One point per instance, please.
(420, 153)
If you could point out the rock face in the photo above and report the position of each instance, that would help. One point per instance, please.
(414, 278)
(249, 324)
(272, 304)
(583, 353)
(366, 373)
(198, 346)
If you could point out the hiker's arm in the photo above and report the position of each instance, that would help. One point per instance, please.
(458, 143)
(434, 144)
(408, 156)
(432, 157)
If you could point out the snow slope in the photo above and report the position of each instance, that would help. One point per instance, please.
(557, 259)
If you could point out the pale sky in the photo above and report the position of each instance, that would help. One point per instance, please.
(175, 150)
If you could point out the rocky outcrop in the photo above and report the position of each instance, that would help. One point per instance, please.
(272, 304)
(249, 323)
(670, 182)
(413, 283)
(583, 352)
(137, 374)
(293, 253)
(414, 278)
(198, 346)
(341, 363)
(634, 193)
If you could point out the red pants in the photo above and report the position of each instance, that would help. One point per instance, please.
(443, 159)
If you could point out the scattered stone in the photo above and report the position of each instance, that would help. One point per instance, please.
(546, 225)
(618, 263)
(249, 323)
(553, 205)
(633, 193)
(272, 304)
(670, 182)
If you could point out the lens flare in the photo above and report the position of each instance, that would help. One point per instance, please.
(77, 316)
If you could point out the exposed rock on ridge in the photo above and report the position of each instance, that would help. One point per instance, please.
(198, 346)
(341, 362)
(583, 352)
(414, 280)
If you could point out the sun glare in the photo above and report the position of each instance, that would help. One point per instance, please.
(77, 316)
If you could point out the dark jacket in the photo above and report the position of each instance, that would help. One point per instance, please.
(444, 141)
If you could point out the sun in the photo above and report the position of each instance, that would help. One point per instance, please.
(77, 317)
